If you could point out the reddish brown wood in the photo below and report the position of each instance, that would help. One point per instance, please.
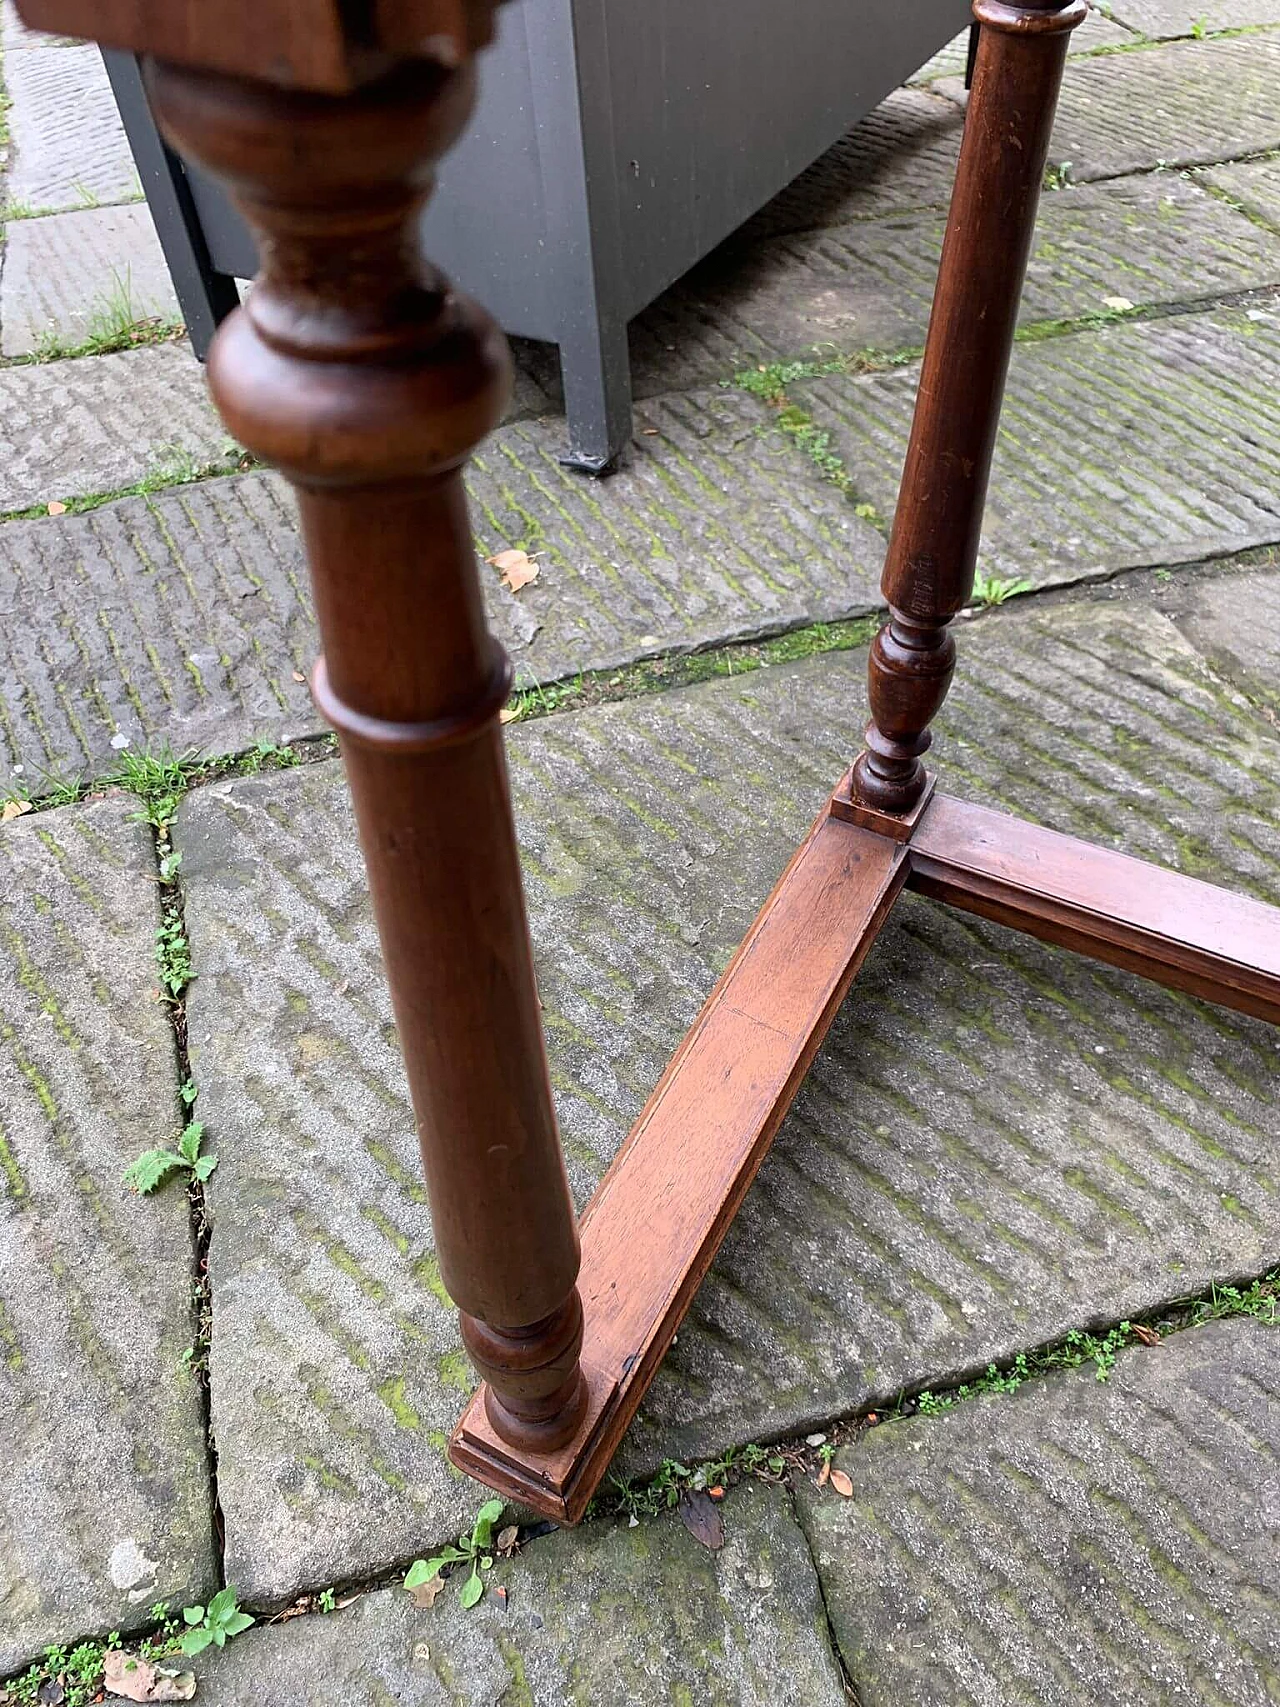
(1177, 930)
(928, 575)
(901, 826)
(661, 1211)
(357, 372)
(331, 45)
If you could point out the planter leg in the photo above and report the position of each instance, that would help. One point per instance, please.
(928, 576)
(356, 372)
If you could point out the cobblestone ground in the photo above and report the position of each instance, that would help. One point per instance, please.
(987, 1363)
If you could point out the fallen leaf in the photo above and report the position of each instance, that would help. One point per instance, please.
(649, 432)
(1147, 1335)
(507, 1538)
(139, 1680)
(506, 715)
(517, 568)
(842, 1485)
(14, 809)
(57, 509)
(716, 1493)
(424, 1595)
(702, 1518)
(825, 1473)
(298, 676)
(51, 1692)
(1119, 303)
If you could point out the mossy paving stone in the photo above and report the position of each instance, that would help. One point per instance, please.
(1161, 19)
(1095, 32)
(1154, 443)
(1149, 241)
(104, 1491)
(185, 617)
(1234, 621)
(602, 1616)
(69, 429)
(1186, 103)
(1073, 1543)
(999, 1142)
(69, 146)
(1254, 184)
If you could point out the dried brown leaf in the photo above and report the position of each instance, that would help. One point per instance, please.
(298, 676)
(56, 509)
(424, 1596)
(506, 715)
(517, 568)
(842, 1485)
(824, 1475)
(507, 1538)
(14, 809)
(702, 1518)
(137, 1679)
(1147, 1335)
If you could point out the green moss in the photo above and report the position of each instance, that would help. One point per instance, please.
(454, 1370)
(392, 1394)
(427, 1270)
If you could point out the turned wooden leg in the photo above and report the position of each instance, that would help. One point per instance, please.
(357, 372)
(928, 576)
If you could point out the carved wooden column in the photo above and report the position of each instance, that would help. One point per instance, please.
(357, 372)
(928, 575)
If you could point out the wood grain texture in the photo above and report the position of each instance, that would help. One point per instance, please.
(929, 568)
(358, 372)
(326, 45)
(1174, 929)
(655, 1223)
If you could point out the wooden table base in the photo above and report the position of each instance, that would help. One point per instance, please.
(659, 1215)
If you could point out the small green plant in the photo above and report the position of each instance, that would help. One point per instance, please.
(159, 779)
(471, 1550)
(70, 1676)
(1200, 28)
(215, 1623)
(325, 1600)
(1058, 177)
(270, 754)
(173, 956)
(990, 590)
(153, 1167)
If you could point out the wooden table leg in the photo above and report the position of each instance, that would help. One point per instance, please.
(928, 576)
(356, 372)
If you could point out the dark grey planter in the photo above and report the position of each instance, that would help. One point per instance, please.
(615, 144)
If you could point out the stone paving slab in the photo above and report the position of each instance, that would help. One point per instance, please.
(67, 271)
(1183, 104)
(997, 1144)
(55, 164)
(1074, 1543)
(603, 1616)
(1234, 622)
(1095, 32)
(1255, 185)
(900, 158)
(72, 428)
(1117, 447)
(184, 616)
(1152, 240)
(1162, 19)
(104, 1499)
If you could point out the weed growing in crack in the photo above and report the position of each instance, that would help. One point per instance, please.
(989, 591)
(473, 1550)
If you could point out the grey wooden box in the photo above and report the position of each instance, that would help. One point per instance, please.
(616, 142)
